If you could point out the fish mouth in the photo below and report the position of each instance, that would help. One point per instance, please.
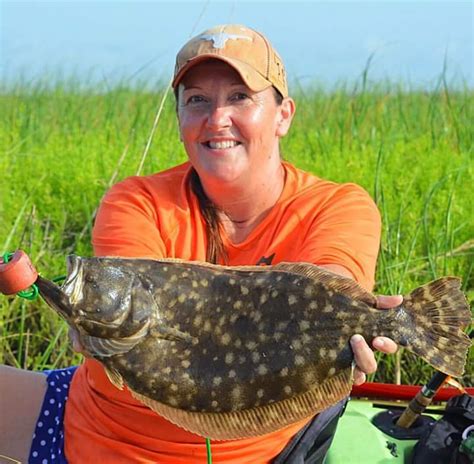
(54, 297)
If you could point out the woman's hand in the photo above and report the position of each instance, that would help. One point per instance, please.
(76, 343)
(363, 354)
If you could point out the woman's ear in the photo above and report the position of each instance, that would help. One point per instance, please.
(286, 112)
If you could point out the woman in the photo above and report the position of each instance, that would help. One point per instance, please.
(234, 202)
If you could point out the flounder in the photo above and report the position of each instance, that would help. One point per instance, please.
(233, 352)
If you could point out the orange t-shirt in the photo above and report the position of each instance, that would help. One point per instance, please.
(158, 216)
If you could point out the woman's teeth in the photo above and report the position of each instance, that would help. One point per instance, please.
(221, 145)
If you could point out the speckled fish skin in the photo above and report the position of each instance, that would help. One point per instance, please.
(215, 339)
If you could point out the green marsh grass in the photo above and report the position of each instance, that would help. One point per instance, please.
(63, 144)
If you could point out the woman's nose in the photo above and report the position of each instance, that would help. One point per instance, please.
(219, 116)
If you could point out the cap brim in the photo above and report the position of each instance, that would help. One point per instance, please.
(252, 79)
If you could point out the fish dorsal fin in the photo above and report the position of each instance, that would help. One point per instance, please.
(331, 280)
(260, 420)
(114, 377)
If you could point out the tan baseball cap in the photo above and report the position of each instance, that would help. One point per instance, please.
(247, 51)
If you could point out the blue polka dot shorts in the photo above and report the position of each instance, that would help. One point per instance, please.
(47, 446)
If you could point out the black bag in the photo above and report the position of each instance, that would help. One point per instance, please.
(311, 443)
(442, 442)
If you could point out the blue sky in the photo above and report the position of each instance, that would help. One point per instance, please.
(323, 42)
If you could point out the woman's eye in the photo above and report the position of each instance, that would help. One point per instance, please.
(240, 96)
(195, 99)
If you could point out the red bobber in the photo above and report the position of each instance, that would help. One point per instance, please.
(17, 274)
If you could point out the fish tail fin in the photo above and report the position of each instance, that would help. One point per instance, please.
(439, 311)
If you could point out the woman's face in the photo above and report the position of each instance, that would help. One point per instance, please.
(229, 131)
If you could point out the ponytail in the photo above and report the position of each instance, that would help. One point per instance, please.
(215, 247)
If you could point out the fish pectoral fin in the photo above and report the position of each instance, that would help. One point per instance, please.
(114, 377)
(259, 420)
(169, 333)
(331, 280)
(106, 347)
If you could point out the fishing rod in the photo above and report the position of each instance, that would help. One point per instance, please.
(422, 400)
(424, 397)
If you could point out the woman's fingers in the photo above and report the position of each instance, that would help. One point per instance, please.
(385, 344)
(76, 344)
(359, 377)
(363, 355)
(389, 301)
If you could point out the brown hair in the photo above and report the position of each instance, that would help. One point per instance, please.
(210, 212)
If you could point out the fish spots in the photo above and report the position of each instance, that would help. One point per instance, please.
(331, 371)
(244, 290)
(172, 401)
(274, 293)
(287, 389)
(297, 344)
(299, 360)
(256, 316)
(282, 325)
(238, 343)
(185, 363)
(328, 308)
(232, 281)
(225, 339)
(236, 394)
(237, 304)
(204, 282)
(207, 326)
(214, 404)
(166, 370)
(174, 387)
(173, 278)
(229, 357)
(263, 298)
(284, 372)
(182, 298)
(332, 354)
(322, 352)
(262, 369)
(197, 321)
(199, 305)
(216, 381)
(251, 345)
(304, 325)
(309, 377)
(255, 356)
(232, 374)
(195, 284)
(277, 336)
(185, 274)
(313, 305)
(260, 393)
(292, 299)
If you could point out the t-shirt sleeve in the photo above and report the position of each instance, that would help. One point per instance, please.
(126, 224)
(346, 231)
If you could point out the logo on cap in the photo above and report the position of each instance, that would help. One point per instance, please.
(219, 40)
